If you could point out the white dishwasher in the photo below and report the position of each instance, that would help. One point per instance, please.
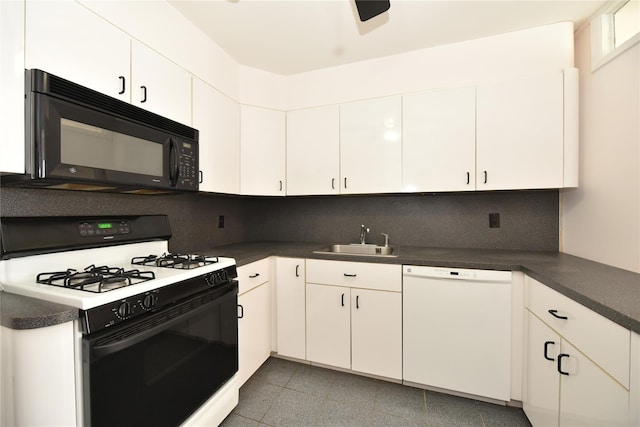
(457, 330)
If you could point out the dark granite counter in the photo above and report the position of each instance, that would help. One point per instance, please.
(20, 312)
(612, 292)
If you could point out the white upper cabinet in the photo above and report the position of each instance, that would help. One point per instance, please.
(67, 40)
(313, 151)
(217, 118)
(159, 85)
(12, 87)
(439, 139)
(520, 134)
(371, 146)
(262, 151)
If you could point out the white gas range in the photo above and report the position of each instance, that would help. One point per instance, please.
(153, 324)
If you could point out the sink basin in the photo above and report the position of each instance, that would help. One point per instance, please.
(358, 249)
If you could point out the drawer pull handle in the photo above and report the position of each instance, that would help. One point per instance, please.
(297, 267)
(468, 178)
(343, 300)
(357, 301)
(349, 275)
(546, 350)
(241, 312)
(555, 314)
(560, 357)
(254, 276)
(144, 94)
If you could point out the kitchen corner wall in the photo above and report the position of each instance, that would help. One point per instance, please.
(528, 219)
(601, 219)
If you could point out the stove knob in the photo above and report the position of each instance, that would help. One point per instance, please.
(149, 301)
(124, 310)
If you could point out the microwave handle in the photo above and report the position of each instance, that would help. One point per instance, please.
(174, 170)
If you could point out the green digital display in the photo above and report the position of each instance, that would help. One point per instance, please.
(105, 225)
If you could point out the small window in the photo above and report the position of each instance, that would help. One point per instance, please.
(626, 22)
(614, 29)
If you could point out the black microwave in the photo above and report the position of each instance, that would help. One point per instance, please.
(79, 139)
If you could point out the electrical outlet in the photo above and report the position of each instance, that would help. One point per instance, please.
(221, 221)
(494, 220)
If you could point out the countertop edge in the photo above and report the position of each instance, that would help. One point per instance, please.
(560, 272)
(545, 267)
(18, 312)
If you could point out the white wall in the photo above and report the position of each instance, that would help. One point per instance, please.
(542, 49)
(600, 220)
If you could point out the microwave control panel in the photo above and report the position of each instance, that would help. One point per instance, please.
(188, 165)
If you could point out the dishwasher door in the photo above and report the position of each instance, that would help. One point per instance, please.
(457, 330)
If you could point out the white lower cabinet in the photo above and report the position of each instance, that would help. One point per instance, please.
(254, 323)
(290, 307)
(569, 379)
(328, 329)
(564, 387)
(355, 321)
(376, 338)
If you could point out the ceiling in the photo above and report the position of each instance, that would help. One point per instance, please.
(293, 36)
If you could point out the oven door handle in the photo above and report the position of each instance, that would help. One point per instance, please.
(121, 344)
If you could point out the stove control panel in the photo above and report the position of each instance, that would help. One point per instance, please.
(104, 228)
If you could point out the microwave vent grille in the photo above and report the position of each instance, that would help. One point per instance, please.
(74, 92)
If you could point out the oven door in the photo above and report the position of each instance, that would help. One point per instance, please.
(157, 371)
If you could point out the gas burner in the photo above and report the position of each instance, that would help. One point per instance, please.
(180, 261)
(94, 279)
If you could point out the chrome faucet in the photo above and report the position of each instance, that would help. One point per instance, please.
(386, 240)
(363, 234)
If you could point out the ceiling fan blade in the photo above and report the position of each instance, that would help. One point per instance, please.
(368, 9)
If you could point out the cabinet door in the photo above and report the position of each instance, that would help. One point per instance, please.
(290, 297)
(262, 151)
(371, 146)
(328, 328)
(541, 394)
(159, 85)
(589, 397)
(254, 330)
(376, 332)
(439, 140)
(520, 134)
(217, 117)
(313, 151)
(66, 39)
(12, 87)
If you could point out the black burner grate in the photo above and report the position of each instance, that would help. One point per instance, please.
(95, 279)
(180, 261)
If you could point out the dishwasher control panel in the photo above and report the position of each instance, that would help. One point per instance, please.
(456, 273)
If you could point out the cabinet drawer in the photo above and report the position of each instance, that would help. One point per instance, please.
(355, 274)
(252, 275)
(603, 341)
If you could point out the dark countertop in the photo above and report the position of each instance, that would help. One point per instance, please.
(19, 312)
(609, 291)
(612, 292)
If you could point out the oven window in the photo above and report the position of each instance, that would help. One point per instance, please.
(95, 147)
(163, 379)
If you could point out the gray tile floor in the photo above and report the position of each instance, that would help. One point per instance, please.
(285, 393)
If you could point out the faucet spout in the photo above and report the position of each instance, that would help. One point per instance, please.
(363, 234)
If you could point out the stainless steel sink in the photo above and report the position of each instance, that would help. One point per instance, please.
(358, 249)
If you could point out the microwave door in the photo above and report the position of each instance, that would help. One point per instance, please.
(79, 143)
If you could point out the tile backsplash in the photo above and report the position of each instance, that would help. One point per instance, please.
(528, 219)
